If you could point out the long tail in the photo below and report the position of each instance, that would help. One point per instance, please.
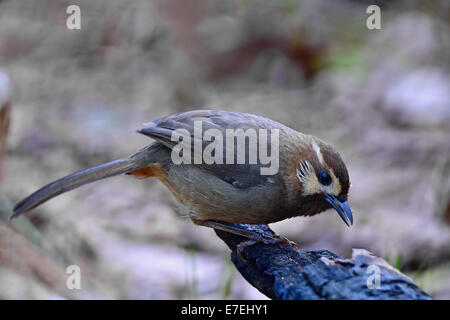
(137, 161)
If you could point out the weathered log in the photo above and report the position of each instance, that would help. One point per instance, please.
(283, 272)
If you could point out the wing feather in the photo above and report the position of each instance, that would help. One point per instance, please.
(239, 175)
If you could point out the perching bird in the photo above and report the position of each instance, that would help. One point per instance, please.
(311, 175)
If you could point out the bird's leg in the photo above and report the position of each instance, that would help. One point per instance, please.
(253, 236)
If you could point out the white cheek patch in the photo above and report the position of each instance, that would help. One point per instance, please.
(310, 182)
(305, 171)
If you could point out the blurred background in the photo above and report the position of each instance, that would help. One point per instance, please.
(76, 97)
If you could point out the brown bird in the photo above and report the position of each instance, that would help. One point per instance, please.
(310, 178)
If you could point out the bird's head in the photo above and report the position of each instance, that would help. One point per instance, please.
(322, 180)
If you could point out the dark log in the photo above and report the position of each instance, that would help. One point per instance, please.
(282, 272)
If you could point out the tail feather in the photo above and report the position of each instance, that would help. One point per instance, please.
(76, 180)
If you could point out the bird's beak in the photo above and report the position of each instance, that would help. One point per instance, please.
(342, 208)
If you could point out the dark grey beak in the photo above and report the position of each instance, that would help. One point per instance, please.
(342, 208)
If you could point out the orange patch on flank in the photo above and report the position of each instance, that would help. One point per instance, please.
(147, 172)
(157, 171)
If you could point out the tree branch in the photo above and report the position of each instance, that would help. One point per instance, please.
(282, 272)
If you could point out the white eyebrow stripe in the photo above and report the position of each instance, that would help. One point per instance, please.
(318, 152)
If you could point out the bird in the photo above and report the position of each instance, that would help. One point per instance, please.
(309, 178)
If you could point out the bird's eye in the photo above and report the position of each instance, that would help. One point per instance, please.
(324, 178)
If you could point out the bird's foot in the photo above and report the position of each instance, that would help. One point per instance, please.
(253, 236)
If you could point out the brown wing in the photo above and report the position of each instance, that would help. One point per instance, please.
(239, 175)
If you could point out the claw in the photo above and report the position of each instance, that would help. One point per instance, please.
(241, 247)
(289, 242)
